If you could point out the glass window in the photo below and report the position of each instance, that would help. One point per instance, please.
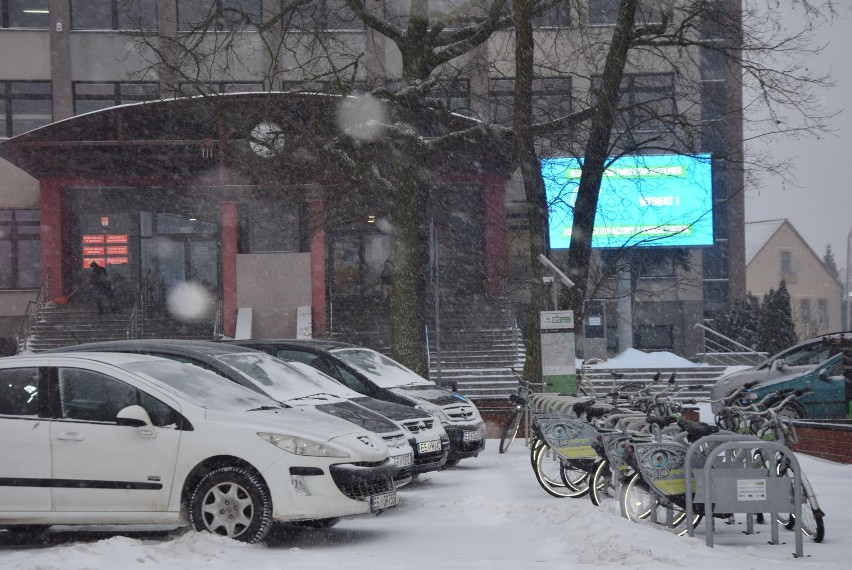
(19, 392)
(551, 99)
(654, 337)
(453, 95)
(26, 105)
(113, 15)
(191, 89)
(91, 396)
(605, 12)
(786, 262)
(822, 312)
(398, 12)
(20, 249)
(218, 15)
(554, 17)
(24, 14)
(805, 310)
(657, 266)
(648, 101)
(94, 96)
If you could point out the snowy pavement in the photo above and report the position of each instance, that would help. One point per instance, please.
(487, 513)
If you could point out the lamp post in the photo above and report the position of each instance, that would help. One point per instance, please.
(848, 293)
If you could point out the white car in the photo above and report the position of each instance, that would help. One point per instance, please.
(97, 438)
(269, 376)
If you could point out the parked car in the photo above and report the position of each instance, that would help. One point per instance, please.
(829, 392)
(374, 374)
(290, 383)
(94, 438)
(799, 359)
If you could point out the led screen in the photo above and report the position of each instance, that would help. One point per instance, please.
(663, 200)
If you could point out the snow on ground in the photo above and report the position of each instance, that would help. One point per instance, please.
(488, 513)
(632, 358)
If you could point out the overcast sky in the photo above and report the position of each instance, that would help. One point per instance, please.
(820, 208)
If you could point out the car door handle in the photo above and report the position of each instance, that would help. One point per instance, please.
(71, 436)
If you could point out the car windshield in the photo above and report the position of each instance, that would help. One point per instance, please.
(201, 387)
(286, 380)
(379, 368)
(812, 353)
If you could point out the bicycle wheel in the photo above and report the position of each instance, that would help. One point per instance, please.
(548, 470)
(641, 505)
(511, 430)
(812, 523)
(602, 483)
(637, 500)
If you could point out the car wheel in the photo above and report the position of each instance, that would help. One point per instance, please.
(233, 502)
(791, 411)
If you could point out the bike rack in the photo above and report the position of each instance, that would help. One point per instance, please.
(738, 485)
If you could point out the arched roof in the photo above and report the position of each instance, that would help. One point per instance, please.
(189, 136)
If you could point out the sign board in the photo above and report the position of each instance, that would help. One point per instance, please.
(105, 249)
(558, 361)
(647, 201)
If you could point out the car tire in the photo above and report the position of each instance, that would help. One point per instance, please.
(234, 502)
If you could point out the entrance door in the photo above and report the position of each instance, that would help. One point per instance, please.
(185, 250)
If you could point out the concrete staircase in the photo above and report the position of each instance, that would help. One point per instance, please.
(699, 379)
(478, 347)
(63, 325)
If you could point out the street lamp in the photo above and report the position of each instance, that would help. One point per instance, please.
(848, 292)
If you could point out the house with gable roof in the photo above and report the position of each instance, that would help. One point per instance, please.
(776, 252)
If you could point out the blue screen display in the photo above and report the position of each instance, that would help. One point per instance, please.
(662, 201)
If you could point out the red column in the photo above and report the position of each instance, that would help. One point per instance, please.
(228, 221)
(51, 236)
(496, 242)
(316, 229)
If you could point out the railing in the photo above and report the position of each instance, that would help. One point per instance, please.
(219, 321)
(32, 317)
(136, 324)
(724, 351)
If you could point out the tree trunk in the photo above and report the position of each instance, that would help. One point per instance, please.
(533, 183)
(594, 160)
(408, 284)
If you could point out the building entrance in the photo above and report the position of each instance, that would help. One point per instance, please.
(177, 249)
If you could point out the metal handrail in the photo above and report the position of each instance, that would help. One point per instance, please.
(723, 353)
(219, 322)
(32, 317)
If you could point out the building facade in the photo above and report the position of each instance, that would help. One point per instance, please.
(66, 58)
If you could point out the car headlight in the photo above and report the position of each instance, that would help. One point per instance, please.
(433, 410)
(303, 445)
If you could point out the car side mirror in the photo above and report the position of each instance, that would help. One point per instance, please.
(779, 365)
(136, 416)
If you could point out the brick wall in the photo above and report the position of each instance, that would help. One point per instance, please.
(828, 439)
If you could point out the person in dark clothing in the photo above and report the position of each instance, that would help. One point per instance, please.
(102, 287)
(386, 277)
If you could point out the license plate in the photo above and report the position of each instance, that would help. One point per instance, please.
(472, 436)
(404, 460)
(429, 446)
(383, 501)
